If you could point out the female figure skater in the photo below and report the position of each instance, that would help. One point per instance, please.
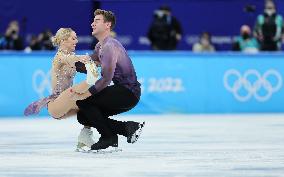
(60, 103)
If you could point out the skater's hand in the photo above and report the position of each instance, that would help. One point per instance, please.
(78, 96)
(80, 88)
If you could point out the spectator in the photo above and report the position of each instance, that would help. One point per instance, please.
(41, 42)
(269, 28)
(45, 40)
(12, 40)
(204, 44)
(165, 30)
(246, 42)
(34, 44)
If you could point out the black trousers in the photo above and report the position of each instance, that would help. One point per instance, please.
(96, 109)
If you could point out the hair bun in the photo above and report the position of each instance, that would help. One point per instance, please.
(61, 35)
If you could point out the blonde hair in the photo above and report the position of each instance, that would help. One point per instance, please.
(61, 35)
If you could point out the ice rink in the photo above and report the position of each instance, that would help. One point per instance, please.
(170, 146)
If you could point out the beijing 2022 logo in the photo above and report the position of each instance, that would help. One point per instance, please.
(252, 84)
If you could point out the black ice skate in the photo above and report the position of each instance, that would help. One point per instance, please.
(133, 129)
(104, 143)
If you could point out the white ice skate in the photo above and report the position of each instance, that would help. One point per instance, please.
(85, 140)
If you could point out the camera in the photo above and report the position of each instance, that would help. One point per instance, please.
(249, 8)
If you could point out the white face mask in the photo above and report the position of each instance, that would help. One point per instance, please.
(269, 12)
(159, 13)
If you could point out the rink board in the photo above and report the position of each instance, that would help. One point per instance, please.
(172, 82)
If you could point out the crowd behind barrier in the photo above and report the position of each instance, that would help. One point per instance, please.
(157, 25)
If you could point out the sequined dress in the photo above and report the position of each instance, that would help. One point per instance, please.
(62, 75)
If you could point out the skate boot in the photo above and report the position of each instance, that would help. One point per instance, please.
(104, 143)
(133, 129)
(85, 139)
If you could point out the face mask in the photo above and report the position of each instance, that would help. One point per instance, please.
(245, 36)
(159, 13)
(269, 12)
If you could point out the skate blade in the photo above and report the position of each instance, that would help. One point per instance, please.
(137, 134)
(82, 148)
(106, 151)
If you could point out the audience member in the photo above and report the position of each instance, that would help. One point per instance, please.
(269, 28)
(12, 40)
(204, 44)
(165, 30)
(246, 42)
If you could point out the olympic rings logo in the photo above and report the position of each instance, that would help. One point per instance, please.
(41, 82)
(252, 87)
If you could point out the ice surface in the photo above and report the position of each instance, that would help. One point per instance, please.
(169, 146)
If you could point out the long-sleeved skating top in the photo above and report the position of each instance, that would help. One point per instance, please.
(62, 74)
(116, 66)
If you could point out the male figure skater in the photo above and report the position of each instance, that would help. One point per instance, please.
(103, 100)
